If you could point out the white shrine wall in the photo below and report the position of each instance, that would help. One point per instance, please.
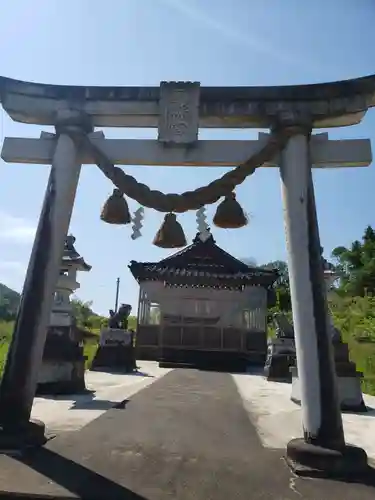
(245, 309)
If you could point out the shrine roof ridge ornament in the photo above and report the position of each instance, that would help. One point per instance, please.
(329, 104)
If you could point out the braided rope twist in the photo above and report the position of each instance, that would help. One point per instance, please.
(189, 200)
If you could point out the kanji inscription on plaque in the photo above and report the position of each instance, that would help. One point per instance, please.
(179, 112)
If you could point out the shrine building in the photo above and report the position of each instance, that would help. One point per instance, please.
(203, 307)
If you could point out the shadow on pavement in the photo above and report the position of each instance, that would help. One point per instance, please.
(365, 479)
(77, 479)
(99, 404)
(113, 371)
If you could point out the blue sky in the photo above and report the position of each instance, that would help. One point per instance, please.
(216, 42)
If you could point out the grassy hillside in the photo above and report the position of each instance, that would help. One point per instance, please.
(355, 317)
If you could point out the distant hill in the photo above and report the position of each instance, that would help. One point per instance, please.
(9, 301)
(9, 294)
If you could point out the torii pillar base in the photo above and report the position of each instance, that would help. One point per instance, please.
(310, 460)
(16, 436)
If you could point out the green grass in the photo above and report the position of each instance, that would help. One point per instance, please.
(355, 317)
(6, 329)
(89, 351)
(3, 353)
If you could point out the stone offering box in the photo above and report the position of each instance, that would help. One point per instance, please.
(115, 351)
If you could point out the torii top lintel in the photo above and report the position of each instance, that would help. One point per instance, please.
(329, 104)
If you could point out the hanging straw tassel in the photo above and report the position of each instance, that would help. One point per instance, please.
(115, 209)
(170, 234)
(229, 214)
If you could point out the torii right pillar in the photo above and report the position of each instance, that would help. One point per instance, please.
(323, 447)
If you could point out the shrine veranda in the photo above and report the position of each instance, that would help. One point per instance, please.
(178, 110)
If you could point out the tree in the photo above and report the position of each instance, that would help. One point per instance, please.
(82, 312)
(281, 285)
(282, 269)
(357, 265)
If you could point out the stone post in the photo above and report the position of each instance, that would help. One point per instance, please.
(26, 351)
(323, 446)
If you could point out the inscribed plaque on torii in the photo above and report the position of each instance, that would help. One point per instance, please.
(179, 112)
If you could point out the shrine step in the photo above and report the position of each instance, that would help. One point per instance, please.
(175, 364)
(203, 360)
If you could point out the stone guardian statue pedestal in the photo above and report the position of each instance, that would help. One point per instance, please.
(116, 350)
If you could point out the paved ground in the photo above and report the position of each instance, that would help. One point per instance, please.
(278, 419)
(72, 412)
(185, 437)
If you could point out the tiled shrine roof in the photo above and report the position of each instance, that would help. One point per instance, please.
(72, 257)
(203, 263)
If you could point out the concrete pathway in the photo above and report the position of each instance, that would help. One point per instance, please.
(278, 420)
(72, 412)
(185, 437)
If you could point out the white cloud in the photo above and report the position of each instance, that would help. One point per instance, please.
(12, 273)
(12, 265)
(16, 229)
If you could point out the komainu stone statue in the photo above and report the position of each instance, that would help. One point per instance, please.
(116, 344)
(281, 352)
(120, 319)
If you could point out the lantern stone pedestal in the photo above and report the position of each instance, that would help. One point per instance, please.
(63, 367)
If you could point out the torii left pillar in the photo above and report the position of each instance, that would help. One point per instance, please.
(26, 350)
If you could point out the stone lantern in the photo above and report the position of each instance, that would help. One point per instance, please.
(63, 365)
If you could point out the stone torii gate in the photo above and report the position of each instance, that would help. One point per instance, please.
(178, 110)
